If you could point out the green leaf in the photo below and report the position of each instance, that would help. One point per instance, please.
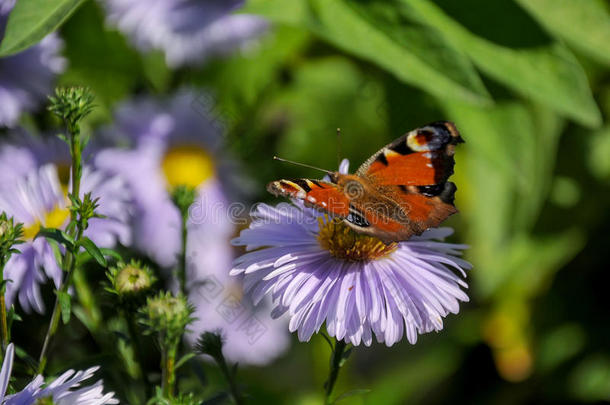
(184, 359)
(384, 33)
(57, 235)
(112, 253)
(537, 68)
(585, 25)
(31, 20)
(116, 68)
(352, 393)
(65, 303)
(93, 250)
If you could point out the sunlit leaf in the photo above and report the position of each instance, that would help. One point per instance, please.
(527, 62)
(583, 24)
(31, 20)
(385, 34)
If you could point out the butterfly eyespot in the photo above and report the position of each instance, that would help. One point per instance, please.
(427, 139)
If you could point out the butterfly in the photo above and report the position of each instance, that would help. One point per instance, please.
(400, 191)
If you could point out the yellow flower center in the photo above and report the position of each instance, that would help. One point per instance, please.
(187, 165)
(52, 219)
(344, 243)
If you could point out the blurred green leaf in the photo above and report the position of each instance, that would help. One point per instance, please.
(56, 235)
(599, 153)
(583, 24)
(560, 345)
(545, 72)
(384, 33)
(65, 303)
(337, 94)
(100, 59)
(504, 172)
(590, 381)
(402, 384)
(350, 394)
(31, 20)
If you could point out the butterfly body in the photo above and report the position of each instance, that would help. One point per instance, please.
(400, 191)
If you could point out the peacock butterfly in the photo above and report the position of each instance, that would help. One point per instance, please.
(400, 191)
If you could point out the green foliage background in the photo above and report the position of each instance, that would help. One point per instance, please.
(528, 84)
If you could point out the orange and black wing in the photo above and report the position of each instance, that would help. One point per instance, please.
(422, 157)
(318, 194)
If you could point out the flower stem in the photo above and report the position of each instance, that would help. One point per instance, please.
(222, 364)
(74, 230)
(336, 362)
(182, 259)
(3, 321)
(168, 369)
(54, 323)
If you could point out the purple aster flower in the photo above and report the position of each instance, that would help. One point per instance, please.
(64, 390)
(188, 31)
(318, 270)
(172, 143)
(27, 77)
(39, 199)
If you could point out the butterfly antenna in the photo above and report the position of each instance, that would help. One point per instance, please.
(301, 164)
(338, 147)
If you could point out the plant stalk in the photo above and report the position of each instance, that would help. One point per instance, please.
(168, 369)
(69, 260)
(222, 364)
(335, 366)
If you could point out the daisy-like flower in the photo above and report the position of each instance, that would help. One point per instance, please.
(318, 270)
(188, 31)
(64, 390)
(27, 77)
(37, 200)
(175, 143)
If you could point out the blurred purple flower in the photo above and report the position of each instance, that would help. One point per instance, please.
(27, 77)
(64, 390)
(173, 142)
(188, 31)
(37, 197)
(319, 270)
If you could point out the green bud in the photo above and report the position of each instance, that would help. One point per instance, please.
(130, 279)
(85, 208)
(72, 104)
(44, 401)
(167, 316)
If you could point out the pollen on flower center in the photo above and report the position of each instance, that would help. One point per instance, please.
(52, 219)
(344, 243)
(187, 165)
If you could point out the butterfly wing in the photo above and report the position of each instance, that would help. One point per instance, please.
(318, 194)
(395, 213)
(412, 172)
(422, 157)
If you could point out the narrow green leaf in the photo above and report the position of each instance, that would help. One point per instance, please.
(31, 20)
(93, 250)
(112, 253)
(65, 303)
(352, 393)
(585, 25)
(384, 33)
(539, 68)
(184, 359)
(56, 235)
